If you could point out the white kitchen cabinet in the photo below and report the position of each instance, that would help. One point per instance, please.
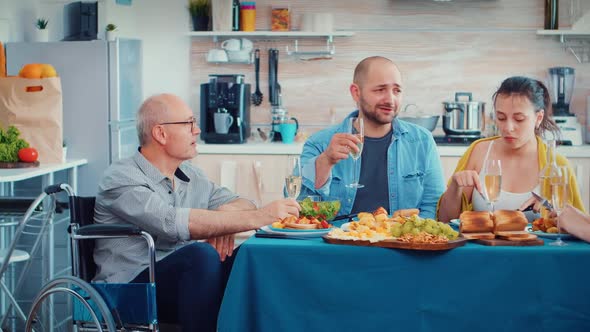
(449, 164)
(581, 167)
(256, 177)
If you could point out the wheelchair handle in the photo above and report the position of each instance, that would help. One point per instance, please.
(56, 188)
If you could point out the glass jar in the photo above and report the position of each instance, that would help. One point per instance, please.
(281, 18)
(248, 16)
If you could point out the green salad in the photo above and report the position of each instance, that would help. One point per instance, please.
(325, 210)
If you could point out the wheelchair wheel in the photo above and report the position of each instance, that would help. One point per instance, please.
(67, 302)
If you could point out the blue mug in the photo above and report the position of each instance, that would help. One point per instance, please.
(288, 131)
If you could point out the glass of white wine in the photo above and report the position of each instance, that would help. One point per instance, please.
(360, 133)
(559, 184)
(293, 177)
(493, 181)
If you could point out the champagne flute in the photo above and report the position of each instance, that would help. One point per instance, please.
(293, 177)
(559, 199)
(360, 133)
(493, 181)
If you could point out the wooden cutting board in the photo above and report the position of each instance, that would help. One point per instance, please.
(399, 244)
(500, 242)
(18, 164)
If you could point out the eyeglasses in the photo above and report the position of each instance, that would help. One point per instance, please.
(192, 122)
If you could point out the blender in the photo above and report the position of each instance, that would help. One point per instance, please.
(561, 87)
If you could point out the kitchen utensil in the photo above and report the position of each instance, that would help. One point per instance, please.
(257, 95)
(463, 118)
(262, 135)
(543, 201)
(427, 121)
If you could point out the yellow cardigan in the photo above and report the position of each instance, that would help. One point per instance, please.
(574, 197)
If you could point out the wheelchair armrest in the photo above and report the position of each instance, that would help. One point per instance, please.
(109, 230)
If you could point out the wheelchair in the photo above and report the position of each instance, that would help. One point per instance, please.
(87, 305)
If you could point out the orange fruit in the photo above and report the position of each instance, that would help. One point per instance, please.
(31, 70)
(47, 70)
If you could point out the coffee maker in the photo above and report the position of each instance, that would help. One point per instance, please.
(561, 87)
(225, 109)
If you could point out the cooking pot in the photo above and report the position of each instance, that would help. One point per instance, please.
(427, 121)
(463, 118)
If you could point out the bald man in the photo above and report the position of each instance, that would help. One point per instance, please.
(399, 166)
(174, 201)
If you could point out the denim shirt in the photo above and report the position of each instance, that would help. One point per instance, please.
(415, 176)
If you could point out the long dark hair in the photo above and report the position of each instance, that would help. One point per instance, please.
(536, 92)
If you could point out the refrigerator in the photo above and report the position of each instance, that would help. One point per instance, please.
(101, 91)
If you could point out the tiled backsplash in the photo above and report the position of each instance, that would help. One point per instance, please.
(440, 47)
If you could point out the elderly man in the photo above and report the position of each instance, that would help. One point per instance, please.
(400, 167)
(174, 201)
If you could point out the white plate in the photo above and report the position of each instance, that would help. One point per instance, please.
(550, 235)
(455, 222)
(295, 233)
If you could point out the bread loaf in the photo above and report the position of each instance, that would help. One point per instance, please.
(508, 220)
(476, 222)
(476, 236)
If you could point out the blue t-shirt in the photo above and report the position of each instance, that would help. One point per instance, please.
(373, 160)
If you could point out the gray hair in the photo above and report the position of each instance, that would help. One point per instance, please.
(151, 113)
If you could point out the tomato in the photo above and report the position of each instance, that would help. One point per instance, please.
(325, 224)
(28, 155)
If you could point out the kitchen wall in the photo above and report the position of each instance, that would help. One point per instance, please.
(161, 25)
(441, 48)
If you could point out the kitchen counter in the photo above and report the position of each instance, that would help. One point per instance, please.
(254, 148)
(276, 148)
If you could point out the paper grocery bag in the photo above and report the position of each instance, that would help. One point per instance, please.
(34, 106)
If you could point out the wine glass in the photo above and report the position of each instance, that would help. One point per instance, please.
(293, 177)
(559, 199)
(492, 181)
(360, 133)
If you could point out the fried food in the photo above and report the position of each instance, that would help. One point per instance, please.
(546, 225)
(292, 222)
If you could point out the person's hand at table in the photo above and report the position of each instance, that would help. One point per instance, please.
(340, 146)
(223, 244)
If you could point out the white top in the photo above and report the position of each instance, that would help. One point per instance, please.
(506, 200)
(18, 174)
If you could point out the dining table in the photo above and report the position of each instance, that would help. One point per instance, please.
(298, 284)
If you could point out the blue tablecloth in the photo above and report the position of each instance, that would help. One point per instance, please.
(309, 285)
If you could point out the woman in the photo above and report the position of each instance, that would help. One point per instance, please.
(521, 105)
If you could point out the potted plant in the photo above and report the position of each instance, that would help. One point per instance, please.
(111, 32)
(41, 31)
(200, 11)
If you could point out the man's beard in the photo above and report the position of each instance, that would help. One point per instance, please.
(371, 114)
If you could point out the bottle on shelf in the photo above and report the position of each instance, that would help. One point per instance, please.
(236, 15)
(551, 14)
(248, 16)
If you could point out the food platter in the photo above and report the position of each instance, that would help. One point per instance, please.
(551, 235)
(392, 243)
(296, 232)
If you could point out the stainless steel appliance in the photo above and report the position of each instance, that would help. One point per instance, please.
(463, 117)
(561, 87)
(225, 94)
(100, 100)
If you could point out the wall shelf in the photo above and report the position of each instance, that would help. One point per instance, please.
(575, 41)
(270, 34)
